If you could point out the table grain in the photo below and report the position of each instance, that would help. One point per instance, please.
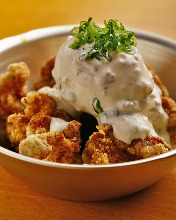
(19, 201)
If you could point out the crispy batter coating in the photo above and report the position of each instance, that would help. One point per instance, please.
(39, 108)
(12, 88)
(16, 129)
(38, 102)
(169, 106)
(31, 131)
(54, 146)
(158, 81)
(46, 78)
(103, 148)
(39, 123)
(73, 132)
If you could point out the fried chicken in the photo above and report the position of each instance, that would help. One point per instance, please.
(169, 106)
(103, 148)
(46, 78)
(19, 125)
(54, 146)
(16, 129)
(36, 102)
(38, 110)
(12, 88)
(30, 131)
(158, 81)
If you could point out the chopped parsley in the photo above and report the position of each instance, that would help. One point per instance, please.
(113, 37)
(97, 108)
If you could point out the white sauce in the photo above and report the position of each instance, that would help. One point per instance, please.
(156, 114)
(125, 88)
(61, 103)
(58, 125)
(129, 127)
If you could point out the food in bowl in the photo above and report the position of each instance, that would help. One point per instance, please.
(102, 83)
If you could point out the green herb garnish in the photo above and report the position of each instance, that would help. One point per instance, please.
(97, 108)
(113, 37)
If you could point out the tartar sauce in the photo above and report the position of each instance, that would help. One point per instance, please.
(130, 99)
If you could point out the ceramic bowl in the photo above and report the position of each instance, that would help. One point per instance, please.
(86, 182)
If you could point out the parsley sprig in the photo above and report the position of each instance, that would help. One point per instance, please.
(113, 37)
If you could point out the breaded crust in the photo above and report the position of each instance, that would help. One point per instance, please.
(38, 110)
(36, 102)
(30, 131)
(54, 146)
(16, 129)
(46, 78)
(169, 106)
(158, 81)
(12, 88)
(104, 148)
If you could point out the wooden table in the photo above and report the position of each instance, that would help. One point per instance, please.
(17, 200)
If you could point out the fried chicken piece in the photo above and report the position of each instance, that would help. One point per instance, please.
(36, 102)
(12, 88)
(39, 123)
(103, 148)
(169, 107)
(46, 78)
(40, 108)
(72, 132)
(16, 129)
(37, 108)
(158, 81)
(35, 118)
(38, 112)
(61, 114)
(54, 146)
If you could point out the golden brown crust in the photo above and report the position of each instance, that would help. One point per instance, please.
(12, 88)
(46, 78)
(16, 129)
(158, 81)
(65, 146)
(36, 102)
(149, 147)
(31, 131)
(103, 148)
(53, 146)
(169, 106)
(39, 108)
(39, 123)
(72, 132)
(61, 114)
